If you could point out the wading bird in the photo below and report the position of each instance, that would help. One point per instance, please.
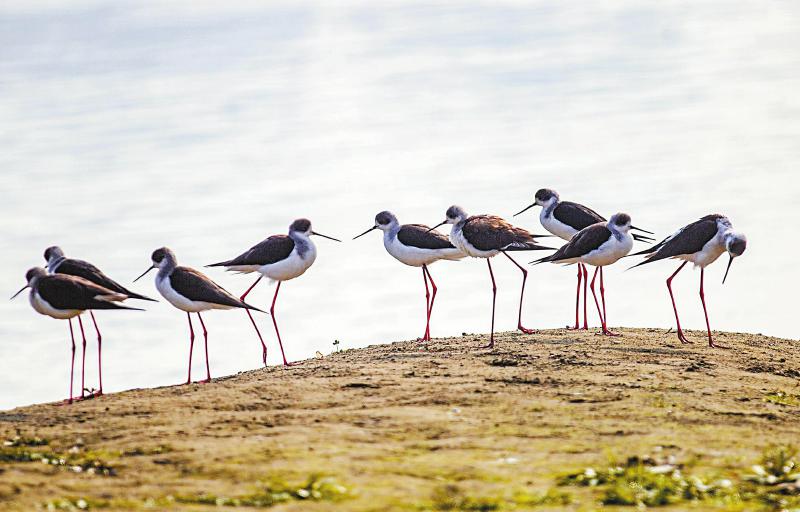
(57, 263)
(701, 243)
(418, 246)
(598, 245)
(192, 292)
(280, 258)
(63, 297)
(485, 236)
(564, 219)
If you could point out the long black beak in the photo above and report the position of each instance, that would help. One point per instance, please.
(436, 226)
(365, 232)
(642, 230)
(325, 236)
(144, 273)
(526, 209)
(642, 238)
(20, 291)
(727, 270)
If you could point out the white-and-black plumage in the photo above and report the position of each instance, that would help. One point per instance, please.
(416, 245)
(57, 263)
(565, 218)
(280, 258)
(64, 297)
(599, 245)
(191, 291)
(485, 236)
(702, 242)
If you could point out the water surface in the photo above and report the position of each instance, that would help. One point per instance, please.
(207, 127)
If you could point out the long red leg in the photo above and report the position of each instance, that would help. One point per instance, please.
(606, 332)
(275, 323)
(681, 336)
(705, 311)
(521, 295)
(72, 365)
(585, 284)
(83, 359)
(252, 320)
(99, 353)
(494, 299)
(433, 298)
(578, 300)
(191, 347)
(427, 335)
(205, 338)
(596, 303)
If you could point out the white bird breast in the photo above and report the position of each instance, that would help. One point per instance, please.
(181, 302)
(609, 252)
(457, 238)
(416, 257)
(43, 307)
(557, 227)
(291, 267)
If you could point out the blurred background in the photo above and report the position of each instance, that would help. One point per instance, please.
(208, 126)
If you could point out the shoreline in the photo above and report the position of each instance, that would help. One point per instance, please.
(400, 427)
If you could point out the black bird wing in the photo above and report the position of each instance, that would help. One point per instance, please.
(420, 236)
(585, 241)
(271, 250)
(91, 273)
(687, 240)
(72, 292)
(493, 233)
(196, 286)
(576, 215)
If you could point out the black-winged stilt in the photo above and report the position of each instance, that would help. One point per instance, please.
(63, 297)
(418, 246)
(280, 258)
(701, 243)
(57, 263)
(599, 245)
(192, 292)
(564, 219)
(485, 236)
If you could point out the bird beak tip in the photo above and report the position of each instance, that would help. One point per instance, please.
(20, 291)
(730, 262)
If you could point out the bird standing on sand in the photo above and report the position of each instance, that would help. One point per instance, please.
(57, 263)
(701, 243)
(63, 297)
(280, 258)
(485, 236)
(599, 245)
(418, 246)
(192, 292)
(564, 219)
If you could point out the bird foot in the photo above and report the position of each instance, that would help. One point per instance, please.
(489, 345)
(92, 393)
(683, 338)
(293, 363)
(204, 381)
(606, 332)
(714, 345)
(526, 330)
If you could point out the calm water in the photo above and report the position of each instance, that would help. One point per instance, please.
(127, 126)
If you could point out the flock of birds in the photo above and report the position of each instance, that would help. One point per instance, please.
(69, 287)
